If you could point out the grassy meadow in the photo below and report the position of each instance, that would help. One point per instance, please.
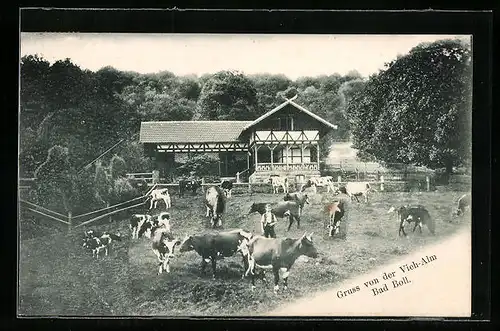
(58, 277)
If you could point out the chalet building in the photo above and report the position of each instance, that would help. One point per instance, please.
(284, 141)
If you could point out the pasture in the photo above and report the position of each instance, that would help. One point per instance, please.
(58, 277)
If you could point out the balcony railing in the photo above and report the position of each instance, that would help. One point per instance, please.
(270, 136)
(285, 167)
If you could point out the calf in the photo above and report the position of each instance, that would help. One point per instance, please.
(102, 242)
(215, 201)
(355, 189)
(136, 223)
(276, 254)
(417, 214)
(213, 246)
(160, 195)
(227, 186)
(163, 247)
(277, 182)
(149, 227)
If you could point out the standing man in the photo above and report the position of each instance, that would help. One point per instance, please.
(268, 221)
(346, 199)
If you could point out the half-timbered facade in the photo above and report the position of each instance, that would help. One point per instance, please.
(284, 141)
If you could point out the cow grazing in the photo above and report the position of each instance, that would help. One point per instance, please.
(213, 246)
(188, 185)
(215, 201)
(227, 186)
(335, 212)
(277, 182)
(163, 246)
(136, 223)
(298, 197)
(417, 214)
(102, 242)
(463, 205)
(160, 195)
(356, 189)
(276, 254)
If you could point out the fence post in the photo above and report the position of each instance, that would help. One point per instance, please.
(427, 181)
(70, 222)
(381, 183)
(156, 176)
(203, 182)
(237, 177)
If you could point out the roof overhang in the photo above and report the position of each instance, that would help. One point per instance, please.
(290, 102)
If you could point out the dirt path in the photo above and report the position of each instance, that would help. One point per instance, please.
(442, 287)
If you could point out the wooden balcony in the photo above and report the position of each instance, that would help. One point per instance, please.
(284, 137)
(287, 167)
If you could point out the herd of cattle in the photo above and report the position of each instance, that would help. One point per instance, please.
(258, 252)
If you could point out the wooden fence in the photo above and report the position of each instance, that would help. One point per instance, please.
(86, 218)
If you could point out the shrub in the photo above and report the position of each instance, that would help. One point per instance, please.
(122, 191)
(118, 167)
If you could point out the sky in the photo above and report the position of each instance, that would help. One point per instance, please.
(184, 54)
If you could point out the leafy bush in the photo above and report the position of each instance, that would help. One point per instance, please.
(201, 165)
(118, 167)
(122, 191)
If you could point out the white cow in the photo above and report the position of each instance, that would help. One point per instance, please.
(160, 194)
(276, 182)
(355, 189)
(315, 182)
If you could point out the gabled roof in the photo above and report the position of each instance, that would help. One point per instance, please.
(191, 131)
(290, 102)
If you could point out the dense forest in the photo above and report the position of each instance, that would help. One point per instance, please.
(417, 110)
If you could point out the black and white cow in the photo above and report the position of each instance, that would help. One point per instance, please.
(336, 212)
(163, 246)
(136, 223)
(98, 243)
(215, 202)
(227, 186)
(417, 214)
(277, 182)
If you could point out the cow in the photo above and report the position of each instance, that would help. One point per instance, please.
(102, 242)
(417, 214)
(149, 227)
(163, 246)
(160, 195)
(136, 223)
(188, 185)
(316, 182)
(276, 254)
(277, 182)
(227, 186)
(301, 198)
(335, 212)
(281, 209)
(213, 246)
(463, 205)
(215, 201)
(355, 189)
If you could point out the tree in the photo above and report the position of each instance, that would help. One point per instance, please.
(118, 167)
(55, 180)
(418, 109)
(228, 96)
